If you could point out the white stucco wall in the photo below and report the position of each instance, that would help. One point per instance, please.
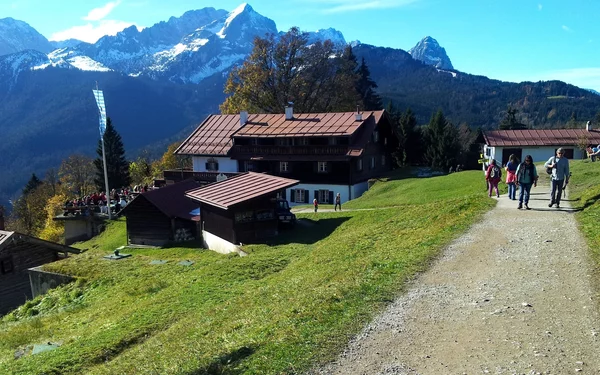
(346, 192)
(215, 243)
(542, 153)
(225, 164)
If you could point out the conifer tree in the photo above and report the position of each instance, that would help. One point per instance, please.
(365, 86)
(117, 167)
(409, 138)
(441, 142)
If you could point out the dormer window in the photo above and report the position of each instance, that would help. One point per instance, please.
(212, 165)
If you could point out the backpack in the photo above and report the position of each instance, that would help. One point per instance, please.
(495, 172)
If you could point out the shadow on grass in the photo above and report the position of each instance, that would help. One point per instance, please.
(226, 364)
(307, 231)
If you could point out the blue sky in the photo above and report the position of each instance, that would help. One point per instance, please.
(511, 40)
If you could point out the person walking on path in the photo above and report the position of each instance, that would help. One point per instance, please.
(511, 170)
(315, 204)
(525, 176)
(493, 176)
(560, 176)
(338, 202)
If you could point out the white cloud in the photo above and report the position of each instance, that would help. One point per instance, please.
(92, 32)
(97, 14)
(567, 29)
(341, 6)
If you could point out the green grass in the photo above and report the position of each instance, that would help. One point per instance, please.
(288, 305)
(584, 192)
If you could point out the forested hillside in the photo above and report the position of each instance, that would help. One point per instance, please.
(476, 100)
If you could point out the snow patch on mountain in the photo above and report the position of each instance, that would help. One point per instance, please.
(322, 35)
(236, 12)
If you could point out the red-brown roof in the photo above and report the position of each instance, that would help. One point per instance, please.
(170, 200)
(238, 189)
(212, 137)
(541, 137)
(304, 124)
(6, 238)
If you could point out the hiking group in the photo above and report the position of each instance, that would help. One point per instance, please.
(524, 175)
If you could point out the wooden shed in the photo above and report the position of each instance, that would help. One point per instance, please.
(240, 209)
(18, 253)
(162, 215)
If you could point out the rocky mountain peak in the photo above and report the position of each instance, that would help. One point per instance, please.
(430, 52)
(18, 36)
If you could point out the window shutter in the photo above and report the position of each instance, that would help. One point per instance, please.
(292, 195)
(206, 166)
(317, 195)
(305, 196)
(283, 192)
(330, 196)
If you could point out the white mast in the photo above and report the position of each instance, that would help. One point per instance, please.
(102, 112)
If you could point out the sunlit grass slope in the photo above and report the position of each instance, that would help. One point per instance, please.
(287, 305)
(584, 192)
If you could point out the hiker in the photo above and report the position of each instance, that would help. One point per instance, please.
(316, 204)
(338, 202)
(493, 176)
(511, 169)
(559, 166)
(525, 176)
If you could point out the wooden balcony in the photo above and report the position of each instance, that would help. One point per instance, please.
(288, 150)
(177, 175)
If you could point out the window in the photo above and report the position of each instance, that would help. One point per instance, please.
(382, 159)
(6, 266)
(322, 167)
(359, 165)
(385, 141)
(254, 141)
(323, 196)
(375, 136)
(283, 141)
(372, 162)
(488, 151)
(212, 165)
(332, 141)
(284, 166)
(301, 141)
(300, 195)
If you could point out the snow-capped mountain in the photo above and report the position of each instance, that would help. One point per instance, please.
(16, 36)
(327, 34)
(431, 53)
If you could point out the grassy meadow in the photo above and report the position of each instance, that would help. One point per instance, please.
(584, 192)
(291, 303)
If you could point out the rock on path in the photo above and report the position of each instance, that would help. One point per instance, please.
(513, 295)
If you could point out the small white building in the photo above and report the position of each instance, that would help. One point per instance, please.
(541, 144)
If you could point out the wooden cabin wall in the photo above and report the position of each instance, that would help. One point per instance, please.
(147, 225)
(15, 288)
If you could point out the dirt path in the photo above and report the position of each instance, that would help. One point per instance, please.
(513, 295)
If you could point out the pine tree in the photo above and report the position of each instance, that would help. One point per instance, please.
(32, 184)
(510, 122)
(442, 142)
(366, 88)
(117, 167)
(409, 138)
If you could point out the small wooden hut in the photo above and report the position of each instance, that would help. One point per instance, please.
(162, 215)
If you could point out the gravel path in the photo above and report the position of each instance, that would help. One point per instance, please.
(513, 295)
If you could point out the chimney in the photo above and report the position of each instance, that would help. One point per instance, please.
(358, 114)
(588, 126)
(289, 111)
(243, 118)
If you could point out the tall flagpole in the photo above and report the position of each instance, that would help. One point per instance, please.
(102, 111)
